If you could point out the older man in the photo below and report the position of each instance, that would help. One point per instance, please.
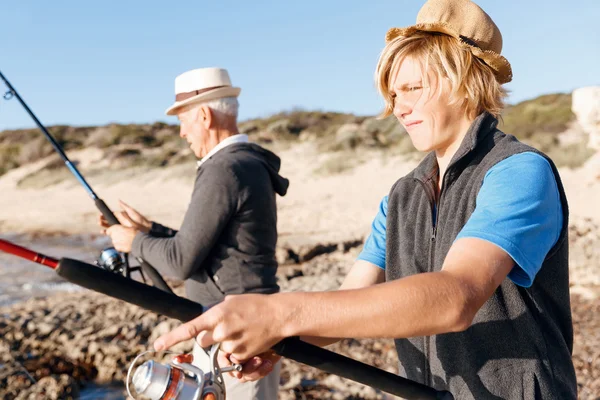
(226, 243)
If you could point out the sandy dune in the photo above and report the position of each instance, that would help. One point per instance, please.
(317, 208)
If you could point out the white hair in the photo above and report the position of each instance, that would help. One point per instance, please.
(226, 105)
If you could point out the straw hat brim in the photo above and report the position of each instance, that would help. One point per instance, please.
(497, 62)
(218, 93)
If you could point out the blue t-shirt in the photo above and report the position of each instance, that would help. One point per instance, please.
(518, 209)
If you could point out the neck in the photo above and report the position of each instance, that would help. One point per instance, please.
(219, 134)
(445, 153)
(223, 134)
(226, 127)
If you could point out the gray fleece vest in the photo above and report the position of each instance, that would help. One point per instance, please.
(520, 343)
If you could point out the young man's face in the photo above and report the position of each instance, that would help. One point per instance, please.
(193, 128)
(424, 110)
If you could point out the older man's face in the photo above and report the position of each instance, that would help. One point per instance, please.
(194, 130)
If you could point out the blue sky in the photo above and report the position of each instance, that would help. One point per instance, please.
(93, 63)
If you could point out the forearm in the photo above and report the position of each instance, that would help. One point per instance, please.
(418, 305)
(362, 274)
(170, 256)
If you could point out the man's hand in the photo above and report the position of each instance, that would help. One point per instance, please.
(245, 325)
(254, 369)
(122, 237)
(128, 217)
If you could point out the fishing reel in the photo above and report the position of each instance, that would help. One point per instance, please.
(180, 381)
(113, 261)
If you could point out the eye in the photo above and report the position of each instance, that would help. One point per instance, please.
(414, 88)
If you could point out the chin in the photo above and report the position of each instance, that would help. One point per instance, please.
(421, 146)
(198, 153)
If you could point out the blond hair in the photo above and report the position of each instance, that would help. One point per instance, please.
(472, 82)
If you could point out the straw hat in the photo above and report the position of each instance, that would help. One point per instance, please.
(200, 85)
(467, 22)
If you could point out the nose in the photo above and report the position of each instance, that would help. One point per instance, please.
(181, 132)
(402, 108)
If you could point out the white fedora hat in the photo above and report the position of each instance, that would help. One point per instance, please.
(200, 85)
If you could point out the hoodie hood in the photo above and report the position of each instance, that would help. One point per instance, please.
(269, 159)
(273, 163)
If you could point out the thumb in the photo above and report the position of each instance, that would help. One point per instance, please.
(111, 229)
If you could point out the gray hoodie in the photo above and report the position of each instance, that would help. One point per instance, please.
(226, 244)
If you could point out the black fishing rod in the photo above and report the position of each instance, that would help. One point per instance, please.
(173, 306)
(102, 207)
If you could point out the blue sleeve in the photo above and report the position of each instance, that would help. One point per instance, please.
(519, 210)
(374, 248)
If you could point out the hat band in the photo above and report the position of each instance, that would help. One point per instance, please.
(469, 41)
(187, 95)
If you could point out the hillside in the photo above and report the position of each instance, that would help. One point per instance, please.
(541, 122)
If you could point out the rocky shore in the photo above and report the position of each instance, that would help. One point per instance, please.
(52, 347)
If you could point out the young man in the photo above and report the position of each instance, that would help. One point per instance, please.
(467, 263)
(227, 240)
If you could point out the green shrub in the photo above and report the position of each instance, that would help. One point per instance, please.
(573, 155)
(9, 155)
(549, 114)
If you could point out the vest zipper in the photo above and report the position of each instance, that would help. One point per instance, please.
(434, 219)
(431, 198)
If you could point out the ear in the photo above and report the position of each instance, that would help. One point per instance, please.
(206, 117)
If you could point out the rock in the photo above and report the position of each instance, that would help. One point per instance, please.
(44, 328)
(286, 256)
(347, 137)
(93, 348)
(85, 332)
(109, 332)
(586, 107)
(301, 252)
(385, 131)
(307, 136)
(584, 249)
(162, 328)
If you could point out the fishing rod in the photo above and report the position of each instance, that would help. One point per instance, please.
(108, 259)
(173, 306)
